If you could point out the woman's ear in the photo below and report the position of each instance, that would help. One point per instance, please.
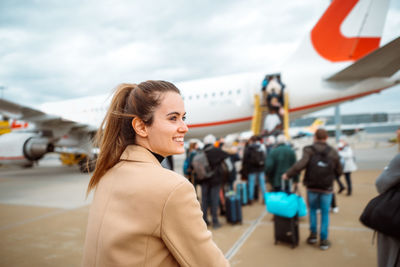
(139, 127)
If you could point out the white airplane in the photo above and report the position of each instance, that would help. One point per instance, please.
(338, 61)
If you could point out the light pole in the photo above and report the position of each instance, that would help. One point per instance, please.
(338, 122)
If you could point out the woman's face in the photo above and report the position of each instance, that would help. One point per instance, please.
(166, 134)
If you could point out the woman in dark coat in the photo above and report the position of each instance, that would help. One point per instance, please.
(389, 247)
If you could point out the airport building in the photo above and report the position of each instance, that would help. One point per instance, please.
(368, 122)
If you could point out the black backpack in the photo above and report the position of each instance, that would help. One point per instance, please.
(256, 155)
(320, 171)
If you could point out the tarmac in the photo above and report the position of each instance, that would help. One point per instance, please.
(44, 210)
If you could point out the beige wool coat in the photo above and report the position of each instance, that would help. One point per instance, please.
(145, 215)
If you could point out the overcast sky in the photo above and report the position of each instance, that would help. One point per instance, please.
(55, 50)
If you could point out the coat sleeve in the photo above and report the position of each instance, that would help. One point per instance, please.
(390, 175)
(292, 161)
(184, 231)
(301, 164)
(338, 165)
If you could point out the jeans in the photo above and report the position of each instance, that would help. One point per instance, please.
(319, 201)
(210, 196)
(252, 180)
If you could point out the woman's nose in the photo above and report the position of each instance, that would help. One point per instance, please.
(183, 128)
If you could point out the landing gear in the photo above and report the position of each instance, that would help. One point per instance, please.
(87, 165)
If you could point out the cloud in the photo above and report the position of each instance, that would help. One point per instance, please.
(55, 50)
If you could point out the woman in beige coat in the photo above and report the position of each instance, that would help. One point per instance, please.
(143, 214)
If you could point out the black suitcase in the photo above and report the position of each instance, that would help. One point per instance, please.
(286, 230)
(233, 208)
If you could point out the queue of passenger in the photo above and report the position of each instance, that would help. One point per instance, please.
(268, 165)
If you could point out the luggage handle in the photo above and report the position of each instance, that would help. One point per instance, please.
(296, 188)
(283, 185)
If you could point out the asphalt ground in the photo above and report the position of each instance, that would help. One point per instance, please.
(43, 216)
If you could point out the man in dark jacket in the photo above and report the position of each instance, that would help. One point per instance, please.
(322, 164)
(279, 160)
(210, 188)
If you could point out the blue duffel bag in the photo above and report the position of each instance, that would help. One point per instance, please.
(284, 204)
(302, 207)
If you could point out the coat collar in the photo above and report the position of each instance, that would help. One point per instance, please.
(139, 154)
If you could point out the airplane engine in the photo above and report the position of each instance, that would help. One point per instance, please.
(23, 148)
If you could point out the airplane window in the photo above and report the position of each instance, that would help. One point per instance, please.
(238, 91)
(221, 93)
(197, 96)
(213, 94)
(229, 92)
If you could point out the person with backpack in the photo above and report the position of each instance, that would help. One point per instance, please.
(230, 165)
(207, 165)
(253, 163)
(321, 163)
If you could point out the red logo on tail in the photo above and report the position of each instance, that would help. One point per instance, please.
(329, 42)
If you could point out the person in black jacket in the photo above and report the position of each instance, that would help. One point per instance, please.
(322, 163)
(210, 188)
(388, 246)
(253, 163)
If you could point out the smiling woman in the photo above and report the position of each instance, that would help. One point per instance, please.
(143, 214)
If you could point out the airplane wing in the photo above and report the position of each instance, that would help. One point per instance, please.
(383, 62)
(42, 120)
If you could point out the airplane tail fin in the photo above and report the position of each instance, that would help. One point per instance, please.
(349, 29)
(318, 123)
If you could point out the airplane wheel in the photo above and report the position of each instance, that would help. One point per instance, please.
(86, 167)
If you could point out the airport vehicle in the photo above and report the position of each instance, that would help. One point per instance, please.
(338, 61)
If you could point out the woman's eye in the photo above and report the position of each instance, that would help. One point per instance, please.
(184, 118)
(173, 118)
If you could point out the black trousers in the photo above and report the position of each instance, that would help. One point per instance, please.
(341, 186)
(210, 197)
(347, 175)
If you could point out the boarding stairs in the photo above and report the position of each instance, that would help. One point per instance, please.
(261, 111)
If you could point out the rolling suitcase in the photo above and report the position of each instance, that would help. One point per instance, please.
(241, 192)
(233, 208)
(286, 230)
